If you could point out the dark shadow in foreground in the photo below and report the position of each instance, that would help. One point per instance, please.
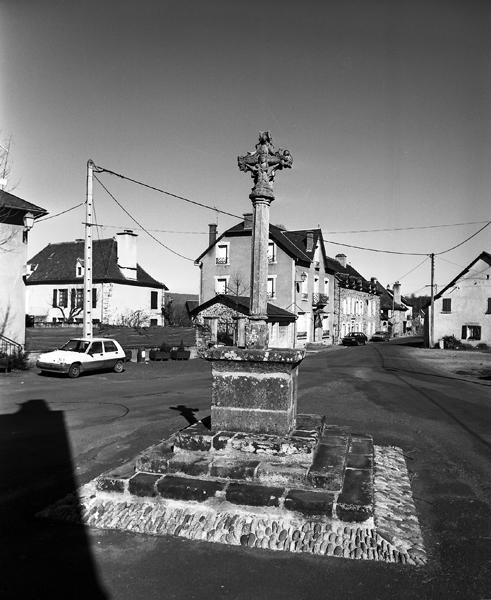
(189, 415)
(40, 558)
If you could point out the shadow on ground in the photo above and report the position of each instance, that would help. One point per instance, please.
(40, 559)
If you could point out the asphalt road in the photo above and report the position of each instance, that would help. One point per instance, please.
(57, 433)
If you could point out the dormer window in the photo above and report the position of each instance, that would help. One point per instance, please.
(30, 268)
(79, 268)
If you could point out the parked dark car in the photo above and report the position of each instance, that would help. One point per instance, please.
(355, 338)
(380, 336)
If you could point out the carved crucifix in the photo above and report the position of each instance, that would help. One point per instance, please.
(262, 164)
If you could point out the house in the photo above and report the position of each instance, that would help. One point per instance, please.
(463, 307)
(16, 219)
(302, 279)
(123, 292)
(222, 319)
(356, 300)
(395, 310)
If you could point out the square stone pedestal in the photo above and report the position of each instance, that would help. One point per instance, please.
(254, 391)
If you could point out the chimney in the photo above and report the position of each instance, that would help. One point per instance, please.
(373, 284)
(126, 248)
(309, 243)
(397, 292)
(212, 234)
(341, 258)
(247, 221)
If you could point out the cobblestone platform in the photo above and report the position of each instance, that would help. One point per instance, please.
(322, 490)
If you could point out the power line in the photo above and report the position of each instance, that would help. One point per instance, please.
(461, 243)
(139, 224)
(377, 250)
(60, 213)
(414, 269)
(102, 225)
(151, 187)
(405, 228)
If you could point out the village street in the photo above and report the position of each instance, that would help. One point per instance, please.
(57, 433)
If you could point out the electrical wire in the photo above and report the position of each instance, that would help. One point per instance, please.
(376, 249)
(60, 213)
(414, 269)
(103, 225)
(461, 243)
(404, 228)
(139, 224)
(151, 187)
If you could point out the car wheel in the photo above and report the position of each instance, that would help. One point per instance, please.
(118, 367)
(74, 371)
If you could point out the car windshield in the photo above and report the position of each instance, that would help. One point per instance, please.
(76, 346)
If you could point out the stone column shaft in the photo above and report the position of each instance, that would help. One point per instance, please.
(259, 259)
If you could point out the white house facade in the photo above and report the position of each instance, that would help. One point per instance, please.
(16, 218)
(123, 292)
(463, 307)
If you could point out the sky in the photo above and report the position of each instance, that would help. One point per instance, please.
(384, 105)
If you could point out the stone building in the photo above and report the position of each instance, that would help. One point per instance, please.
(302, 280)
(395, 311)
(356, 300)
(16, 218)
(123, 292)
(222, 319)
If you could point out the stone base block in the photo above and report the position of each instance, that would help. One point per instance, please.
(262, 517)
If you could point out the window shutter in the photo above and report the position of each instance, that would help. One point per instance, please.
(55, 298)
(72, 298)
(94, 297)
(463, 335)
(489, 306)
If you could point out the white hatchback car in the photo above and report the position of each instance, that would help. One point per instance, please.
(83, 354)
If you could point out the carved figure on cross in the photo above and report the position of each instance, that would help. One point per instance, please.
(263, 164)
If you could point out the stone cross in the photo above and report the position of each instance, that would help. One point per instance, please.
(262, 164)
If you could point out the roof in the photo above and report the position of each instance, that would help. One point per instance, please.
(56, 263)
(12, 202)
(241, 304)
(485, 256)
(387, 299)
(287, 240)
(294, 243)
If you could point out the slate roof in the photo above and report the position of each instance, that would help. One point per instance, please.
(242, 304)
(56, 263)
(12, 202)
(485, 256)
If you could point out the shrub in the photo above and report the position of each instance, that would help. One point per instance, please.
(450, 342)
(482, 346)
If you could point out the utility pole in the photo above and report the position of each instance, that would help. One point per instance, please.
(87, 324)
(432, 303)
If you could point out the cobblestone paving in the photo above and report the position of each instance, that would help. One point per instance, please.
(393, 535)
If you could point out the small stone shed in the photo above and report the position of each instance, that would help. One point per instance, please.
(220, 319)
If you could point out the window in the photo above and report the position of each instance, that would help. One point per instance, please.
(96, 348)
(94, 297)
(271, 287)
(60, 298)
(79, 298)
(488, 312)
(79, 268)
(110, 347)
(222, 257)
(447, 305)
(154, 298)
(221, 285)
(153, 323)
(271, 252)
(471, 332)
